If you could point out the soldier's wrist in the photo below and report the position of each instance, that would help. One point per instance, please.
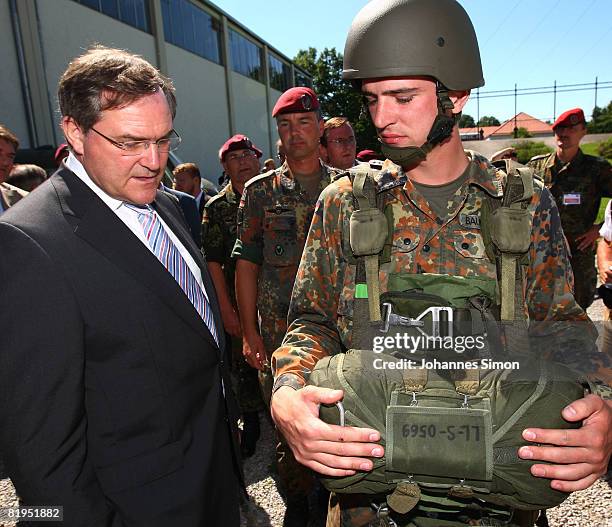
(289, 380)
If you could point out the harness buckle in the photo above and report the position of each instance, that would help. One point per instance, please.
(392, 319)
(436, 311)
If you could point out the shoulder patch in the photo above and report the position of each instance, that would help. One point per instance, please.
(538, 157)
(215, 199)
(259, 178)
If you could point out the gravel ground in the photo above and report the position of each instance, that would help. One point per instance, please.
(588, 508)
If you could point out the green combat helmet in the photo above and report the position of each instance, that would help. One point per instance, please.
(397, 38)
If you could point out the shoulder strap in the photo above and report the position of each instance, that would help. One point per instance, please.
(506, 231)
(367, 235)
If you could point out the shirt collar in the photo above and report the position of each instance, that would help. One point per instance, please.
(73, 164)
(480, 173)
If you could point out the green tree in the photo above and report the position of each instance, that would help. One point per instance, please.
(337, 96)
(488, 120)
(522, 132)
(525, 150)
(601, 122)
(466, 121)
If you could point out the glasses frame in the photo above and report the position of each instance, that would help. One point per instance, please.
(121, 145)
(343, 142)
(247, 154)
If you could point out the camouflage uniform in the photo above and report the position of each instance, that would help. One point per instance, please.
(218, 238)
(273, 220)
(583, 181)
(320, 317)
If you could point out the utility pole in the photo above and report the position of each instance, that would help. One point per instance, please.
(515, 127)
(555, 102)
(595, 91)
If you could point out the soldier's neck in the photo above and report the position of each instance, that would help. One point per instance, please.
(305, 168)
(443, 164)
(565, 155)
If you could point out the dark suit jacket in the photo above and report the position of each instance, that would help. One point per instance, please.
(193, 217)
(9, 195)
(110, 382)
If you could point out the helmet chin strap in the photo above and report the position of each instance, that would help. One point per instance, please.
(441, 129)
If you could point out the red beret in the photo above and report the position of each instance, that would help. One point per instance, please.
(296, 100)
(367, 155)
(238, 142)
(61, 152)
(570, 118)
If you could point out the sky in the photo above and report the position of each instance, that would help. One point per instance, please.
(530, 43)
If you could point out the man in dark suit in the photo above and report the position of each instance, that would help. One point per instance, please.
(189, 206)
(187, 179)
(9, 194)
(115, 394)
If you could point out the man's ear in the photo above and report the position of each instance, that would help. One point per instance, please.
(459, 99)
(74, 135)
(321, 127)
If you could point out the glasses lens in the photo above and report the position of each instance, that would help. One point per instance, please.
(172, 143)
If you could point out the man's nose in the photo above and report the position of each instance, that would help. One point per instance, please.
(151, 158)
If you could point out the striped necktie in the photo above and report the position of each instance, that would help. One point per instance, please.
(169, 255)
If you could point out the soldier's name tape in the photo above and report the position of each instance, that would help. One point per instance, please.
(435, 364)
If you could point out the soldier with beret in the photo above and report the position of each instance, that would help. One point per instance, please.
(239, 158)
(577, 181)
(273, 220)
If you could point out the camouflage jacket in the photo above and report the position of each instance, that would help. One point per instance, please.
(273, 220)
(320, 316)
(219, 232)
(577, 187)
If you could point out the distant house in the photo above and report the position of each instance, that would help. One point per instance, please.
(534, 126)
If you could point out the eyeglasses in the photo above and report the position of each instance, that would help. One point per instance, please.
(347, 141)
(238, 157)
(138, 148)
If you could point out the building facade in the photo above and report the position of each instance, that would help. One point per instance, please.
(227, 78)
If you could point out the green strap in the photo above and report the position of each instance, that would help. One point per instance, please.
(371, 267)
(539, 389)
(366, 199)
(358, 189)
(352, 395)
(414, 379)
(508, 285)
(469, 383)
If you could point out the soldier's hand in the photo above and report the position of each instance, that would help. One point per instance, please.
(254, 351)
(580, 456)
(588, 239)
(605, 273)
(231, 321)
(327, 449)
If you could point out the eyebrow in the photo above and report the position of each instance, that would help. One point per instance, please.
(399, 91)
(130, 137)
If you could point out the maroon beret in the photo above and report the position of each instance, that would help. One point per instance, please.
(238, 142)
(296, 100)
(62, 151)
(570, 118)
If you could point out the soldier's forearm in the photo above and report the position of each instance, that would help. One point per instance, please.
(247, 274)
(218, 278)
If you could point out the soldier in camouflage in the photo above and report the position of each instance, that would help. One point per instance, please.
(240, 160)
(273, 220)
(432, 196)
(577, 181)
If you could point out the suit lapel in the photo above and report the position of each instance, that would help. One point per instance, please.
(97, 225)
